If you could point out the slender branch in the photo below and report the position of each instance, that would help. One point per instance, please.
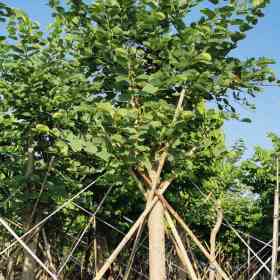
(41, 190)
(213, 235)
(95, 245)
(30, 160)
(139, 183)
(164, 154)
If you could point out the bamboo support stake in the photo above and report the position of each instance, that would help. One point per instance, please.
(48, 250)
(260, 269)
(182, 252)
(130, 233)
(95, 245)
(192, 257)
(179, 253)
(133, 252)
(248, 258)
(275, 239)
(194, 238)
(249, 248)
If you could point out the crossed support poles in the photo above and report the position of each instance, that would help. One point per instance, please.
(169, 214)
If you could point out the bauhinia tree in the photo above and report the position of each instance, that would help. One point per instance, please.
(119, 86)
(156, 71)
(38, 84)
(260, 172)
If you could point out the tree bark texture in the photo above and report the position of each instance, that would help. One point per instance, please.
(157, 243)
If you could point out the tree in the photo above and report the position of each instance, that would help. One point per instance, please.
(259, 172)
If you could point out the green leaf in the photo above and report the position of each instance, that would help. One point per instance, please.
(42, 128)
(265, 61)
(104, 155)
(246, 120)
(159, 15)
(204, 58)
(211, 14)
(117, 138)
(74, 141)
(142, 77)
(90, 148)
(150, 89)
(121, 78)
(105, 106)
(257, 3)
(63, 148)
(245, 27)
(121, 52)
(76, 20)
(237, 36)
(147, 164)
(201, 108)
(57, 115)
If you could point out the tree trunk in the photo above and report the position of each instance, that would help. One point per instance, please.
(157, 243)
(29, 264)
(10, 275)
(100, 248)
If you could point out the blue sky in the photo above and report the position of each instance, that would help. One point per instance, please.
(264, 40)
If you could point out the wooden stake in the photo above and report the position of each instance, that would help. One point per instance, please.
(260, 269)
(275, 225)
(48, 250)
(249, 259)
(248, 247)
(133, 252)
(194, 238)
(95, 245)
(192, 257)
(182, 254)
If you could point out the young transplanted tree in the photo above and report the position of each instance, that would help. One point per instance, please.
(39, 82)
(156, 68)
